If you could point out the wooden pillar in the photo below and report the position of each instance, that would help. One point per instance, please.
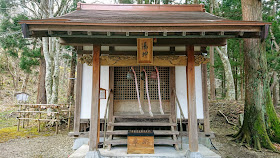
(77, 114)
(205, 99)
(172, 88)
(95, 102)
(111, 86)
(192, 119)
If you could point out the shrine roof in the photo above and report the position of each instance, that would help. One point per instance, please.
(172, 19)
(140, 15)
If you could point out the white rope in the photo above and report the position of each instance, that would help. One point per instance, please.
(137, 91)
(148, 96)
(159, 95)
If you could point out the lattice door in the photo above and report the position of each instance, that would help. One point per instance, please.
(125, 96)
(124, 89)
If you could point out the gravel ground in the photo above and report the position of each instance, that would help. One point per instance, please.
(56, 146)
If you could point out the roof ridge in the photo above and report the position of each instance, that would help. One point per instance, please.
(142, 7)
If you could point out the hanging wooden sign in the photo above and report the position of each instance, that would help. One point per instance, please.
(144, 50)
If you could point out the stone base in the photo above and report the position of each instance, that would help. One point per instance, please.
(93, 154)
(79, 142)
(190, 154)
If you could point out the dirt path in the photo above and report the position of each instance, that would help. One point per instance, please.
(57, 146)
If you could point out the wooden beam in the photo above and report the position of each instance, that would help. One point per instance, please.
(122, 60)
(145, 29)
(201, 35)
(132, 61)
(205, 99)
(192, 118)
(156, 53)
(76, 41)
(95, 104)
(77, 114)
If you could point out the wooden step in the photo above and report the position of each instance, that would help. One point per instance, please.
(156, 132)
(156, 141)
(143, 124)
(142, 116)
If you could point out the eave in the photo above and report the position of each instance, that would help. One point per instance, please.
(178, 31)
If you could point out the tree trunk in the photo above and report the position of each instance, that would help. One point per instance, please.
(274, 89)
(24, 84)
(41, 93)
(223, 85)
(13, 73)
(212, 4)
(56, 71)
(236, 81)
(241, 71)
(212, 75)
(70, 93)
(48, 78)
(230, 92)
(274, 12)
(212, 71)
(276, 94)
(48, 9)
(260, 124)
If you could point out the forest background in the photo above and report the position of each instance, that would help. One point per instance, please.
(46, 70)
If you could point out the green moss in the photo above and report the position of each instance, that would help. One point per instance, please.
(12, 133)
(273, 123)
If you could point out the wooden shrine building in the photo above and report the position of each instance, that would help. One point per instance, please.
(142, 67)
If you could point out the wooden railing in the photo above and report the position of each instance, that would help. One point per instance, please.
(41, 112)
(105, 118)
(181, 117)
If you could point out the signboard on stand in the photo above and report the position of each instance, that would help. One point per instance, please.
(145, 50)
(140, 143)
